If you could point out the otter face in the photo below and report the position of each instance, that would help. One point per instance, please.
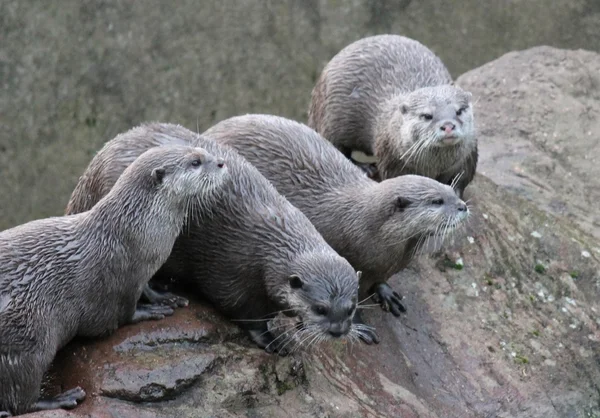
(323, 291)
(419, 208)
(440, 117)
(194, 174)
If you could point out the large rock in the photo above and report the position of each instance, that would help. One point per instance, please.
(538, 113)
(75, 73)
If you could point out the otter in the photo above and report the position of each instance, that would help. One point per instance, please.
(255, 256)
(391, 97)
(57, 274)
(376, 226)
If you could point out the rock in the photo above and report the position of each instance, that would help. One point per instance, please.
(537, 114)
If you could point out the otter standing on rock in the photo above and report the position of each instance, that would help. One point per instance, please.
(83, 274)
(256, 256)
(391, 97)
(377, 227)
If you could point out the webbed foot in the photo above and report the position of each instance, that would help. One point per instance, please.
(149, 312)
(365, 332)
(369, 168)
(66, 400)
(163, 298)
(389, 299)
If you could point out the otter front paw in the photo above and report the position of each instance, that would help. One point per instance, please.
(370, 169)
(66, 400)
(389, 300)
(164, 298)
(148, 312)
(365, 332)
(266, 341)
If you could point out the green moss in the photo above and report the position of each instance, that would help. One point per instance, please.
(283, 387)
(574, 274)
(539, 268)
(521, 359)
(535, 332)
(532, 298)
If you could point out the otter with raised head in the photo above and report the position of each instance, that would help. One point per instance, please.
(377, 227)
(391, 97)
(57, 274)
(255, 256)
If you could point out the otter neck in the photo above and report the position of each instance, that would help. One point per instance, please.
(140, 218)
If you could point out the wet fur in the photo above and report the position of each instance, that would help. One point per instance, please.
(356, 105)
(241, 257)
(57, 274)
(377, 227)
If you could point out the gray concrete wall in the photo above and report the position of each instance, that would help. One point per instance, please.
(75, 73)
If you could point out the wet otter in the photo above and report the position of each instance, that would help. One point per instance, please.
(391, 97)
(57, 274)
(255, 256)
(377, 227)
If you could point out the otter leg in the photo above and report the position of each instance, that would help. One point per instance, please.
(66, 400)
(163, 298)
(388, 298)
(366, 333)
(148, 312)
(4, 414)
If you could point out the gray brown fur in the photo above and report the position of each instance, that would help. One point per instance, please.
(57, 274)
(357, 104)
(241, 259)
(377, 227)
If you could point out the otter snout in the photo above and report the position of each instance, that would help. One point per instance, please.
(447, 127)
(339, 329)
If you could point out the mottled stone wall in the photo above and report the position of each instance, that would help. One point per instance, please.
(75, 73)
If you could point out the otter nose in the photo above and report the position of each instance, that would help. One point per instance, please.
(337, 330)
(220, 162)
(447, 127)
(462, 207)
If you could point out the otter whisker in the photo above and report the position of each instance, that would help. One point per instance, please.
(365, 299)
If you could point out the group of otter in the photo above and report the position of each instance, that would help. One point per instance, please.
(260, 215)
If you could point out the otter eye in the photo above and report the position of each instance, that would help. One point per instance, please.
(321, 310)
(295, 282)
(438, 202)
(196, 162)
(350, 310)
(460, 111)
(426, 116)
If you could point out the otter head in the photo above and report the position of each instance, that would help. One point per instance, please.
(323, 291)
(185, 172)
(418, 207)
(439, 116)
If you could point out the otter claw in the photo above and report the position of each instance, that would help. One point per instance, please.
(266, 341)
(148, 312)
(164, 298)
(369, 168)
(66, 400)
(389, 299)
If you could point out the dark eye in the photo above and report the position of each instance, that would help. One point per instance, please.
(295, 282)
(426, 116)
(196, 163)
(460, 111)
(321, 310)
(350, 310)
(438, 202)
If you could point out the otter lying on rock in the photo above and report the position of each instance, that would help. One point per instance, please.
(377, 227)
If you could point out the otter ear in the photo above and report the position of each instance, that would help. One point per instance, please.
(402, 203)
(358, 275)
(404, 108)
(158, 174)
(295, 282)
